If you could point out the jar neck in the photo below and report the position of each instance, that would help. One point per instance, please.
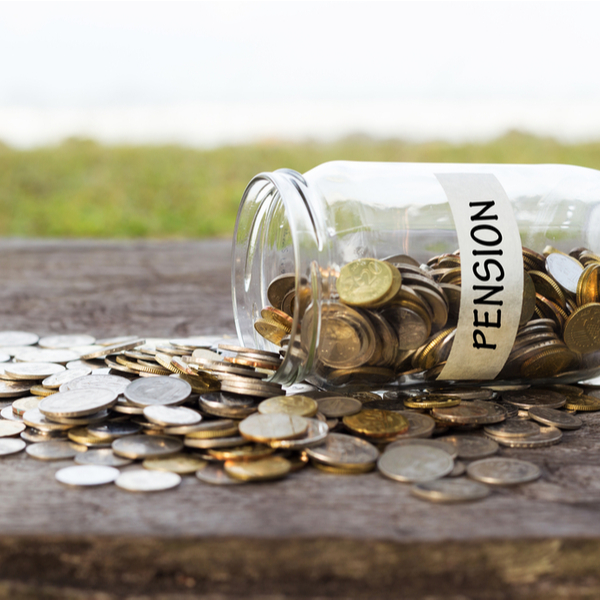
(277, 232)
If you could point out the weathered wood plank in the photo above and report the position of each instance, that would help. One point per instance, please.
(309, 535)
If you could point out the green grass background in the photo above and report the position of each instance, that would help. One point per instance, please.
(83, 189)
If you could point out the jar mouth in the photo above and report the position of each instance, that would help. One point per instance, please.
(276, 234)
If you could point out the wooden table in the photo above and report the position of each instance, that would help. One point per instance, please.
(311, 535)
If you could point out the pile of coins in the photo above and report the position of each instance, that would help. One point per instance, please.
(143, 413)
(394, 320)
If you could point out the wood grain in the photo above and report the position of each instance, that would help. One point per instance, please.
(310, 535)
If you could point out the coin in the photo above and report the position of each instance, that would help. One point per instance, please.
(376, 423)
(35, 435)
(114, 429)
(471, 447)
(225, 404)
(410, 325)
(158, 391)
(339, 406)
(430, 401)
(264, 428)
(105, 350)
(534, 397)
(244, 452)
(54, 450)
(583, 403)
(555, 418)
(22, 405)
(503, 471)
(341, 450)
(272, 467)
(419, 426)
(449, 449)
(210, 429)
(66, 341)
(183, 464)
(77, 403)
(143, 480)
(13, 389)
(87, 475)
(215, 442)
(463, 414)
(10, 428)
(316, 433)
(43, 355)
(101, 456)
(34, 418)
(513, 428)
(31, 371)
(112, 382)
(547, 436)
(81, 435)
(216, 475)
(144, 446)
(364, 282)
(171, 415)
(450, 490)
(289, 405)
(56, 380)
(565, 270)
(414, 463)
(582, 328)
(17, 338)
(11, 446)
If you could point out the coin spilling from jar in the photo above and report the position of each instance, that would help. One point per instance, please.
(145, 414)
(395, 319)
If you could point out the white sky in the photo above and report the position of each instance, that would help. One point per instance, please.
(206, 73)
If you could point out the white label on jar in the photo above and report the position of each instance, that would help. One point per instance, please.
(491, 263)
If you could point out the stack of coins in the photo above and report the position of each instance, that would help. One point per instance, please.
(393, 319)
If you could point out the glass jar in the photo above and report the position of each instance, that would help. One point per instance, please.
(316, 259)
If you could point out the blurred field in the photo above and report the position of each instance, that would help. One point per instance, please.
(83, 189)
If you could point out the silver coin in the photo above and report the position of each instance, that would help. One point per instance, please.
(35, 435)
(547, 436)
(54, 450)
(45, 355)
(10, 428)
(34, 418)
(81, 364)
(8, 413)
(65, 341)
(341, 450)
(101, 456)
(503, 471)
(11, 446)
(527, 399)
(495, 413)
(112, 382)
(94, 418)
(55, 381)
(228, 405)
(158, 390)
(111, 349)
(32, 370)
(470, 447)
(14, 389)
(419, 425)
(458, 470)
(449, 449)
(146, 446)
(87, 475)
(565, 270)
(317, 432)
(215, 475)
(172, 415)
(415, 463)
(4, 357)
(114, 429)
(18, 338)
(513, 428)
(222, 442)
(143, 480)
(121, 339)
(214, 425)
(555, 418)
(127, 408)
(77, 403)
(450, 490)
(339, 406)
(247, 389)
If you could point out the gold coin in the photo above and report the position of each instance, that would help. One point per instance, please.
(183, 464)
(273, 467)
(82, 436)
(277, 316)
(40, 390)
(547, 363)
(548, 288)
(582, 403)
(279, 288)
(588, 286)
(271, 331)
(264, 428)
(247, 452)
(289, 405)
(535, 258)
(365, 282)
(376, 423)
(431, 401)
(582, 329)
(528, 305)
(343, 471)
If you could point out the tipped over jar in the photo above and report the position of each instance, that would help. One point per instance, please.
(382, 274)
